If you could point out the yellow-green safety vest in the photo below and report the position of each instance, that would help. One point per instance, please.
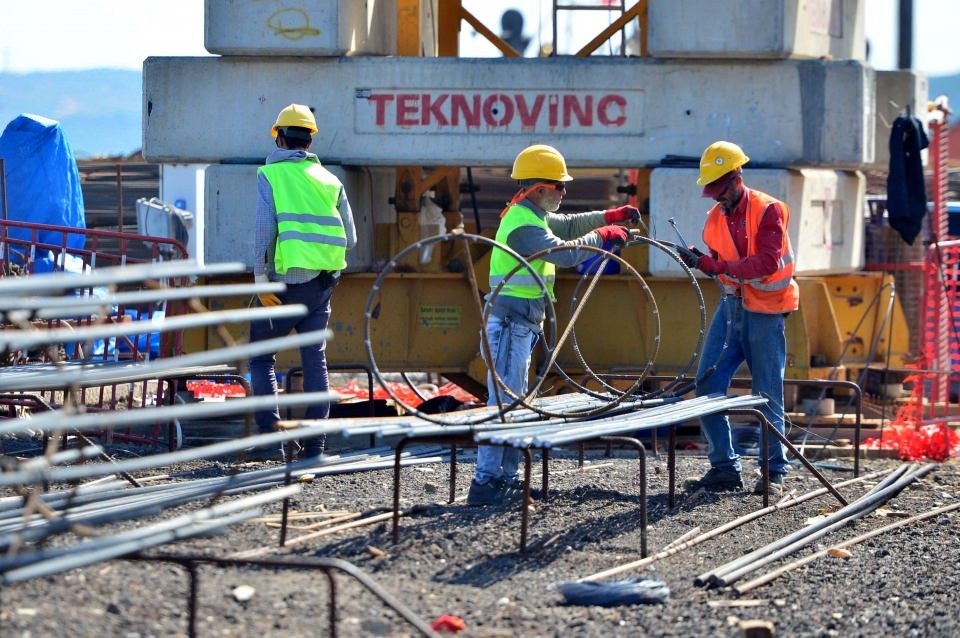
(522, 283)
(310, 233)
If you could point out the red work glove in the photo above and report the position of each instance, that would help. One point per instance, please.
(710, 266)
(622, 214)
(615, 234)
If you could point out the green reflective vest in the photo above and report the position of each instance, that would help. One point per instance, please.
(310, 233)
(522, 283)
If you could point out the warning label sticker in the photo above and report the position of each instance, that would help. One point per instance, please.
(438, 316)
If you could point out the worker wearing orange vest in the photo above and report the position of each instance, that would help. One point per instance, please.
(528, 225)
(752, 258)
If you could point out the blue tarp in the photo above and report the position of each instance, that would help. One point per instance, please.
(43, 183)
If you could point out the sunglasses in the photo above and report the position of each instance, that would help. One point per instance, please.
(559, 186)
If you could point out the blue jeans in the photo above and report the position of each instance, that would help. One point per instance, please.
(759, 340)
(313, 358)
(511, 346)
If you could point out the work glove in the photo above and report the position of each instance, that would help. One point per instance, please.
(622, 214)
(267, 299)
(615, 234)
(710, 266)
(689, 256)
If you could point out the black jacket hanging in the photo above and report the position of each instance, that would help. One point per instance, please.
(906, 192)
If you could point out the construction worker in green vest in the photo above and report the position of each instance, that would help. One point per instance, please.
(528, 225)
(303, 228)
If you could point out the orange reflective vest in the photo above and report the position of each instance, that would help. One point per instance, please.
(776, 293)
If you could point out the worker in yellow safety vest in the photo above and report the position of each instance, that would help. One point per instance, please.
(528, 225)
(303, 229)
(751, 256)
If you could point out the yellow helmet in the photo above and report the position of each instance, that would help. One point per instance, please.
(719, 159)
(540, 162)
(295, 115)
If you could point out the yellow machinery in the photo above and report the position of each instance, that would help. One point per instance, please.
(426, 317)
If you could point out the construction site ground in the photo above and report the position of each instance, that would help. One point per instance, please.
(462, 561)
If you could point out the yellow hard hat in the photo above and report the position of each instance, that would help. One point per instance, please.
(719, 159)
(295, 115)
(540, 162)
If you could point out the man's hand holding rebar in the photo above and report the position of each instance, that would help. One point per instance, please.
(622, 214)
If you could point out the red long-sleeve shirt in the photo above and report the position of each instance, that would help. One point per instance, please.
(769, 241)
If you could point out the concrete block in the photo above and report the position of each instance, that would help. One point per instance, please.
(601, 112)
(896, 92)
(752, 29)
(826, 215)
(230, 207)
(300, 27)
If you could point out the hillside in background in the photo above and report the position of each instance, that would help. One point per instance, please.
(100, 109)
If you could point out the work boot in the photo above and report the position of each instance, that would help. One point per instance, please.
(492, 492)
(515, 485)
(717, 480)
(776, 485)
(313, 447)
(271, 452)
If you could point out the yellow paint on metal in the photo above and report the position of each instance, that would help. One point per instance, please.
(439, 317)
(431, 322)
(448, 28)
(639, 10)
(408, 27)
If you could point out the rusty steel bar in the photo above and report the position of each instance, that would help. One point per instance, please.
(765, 463)
(372, 312)
(27, 339)
(733, 570)
(45, 562)
(722, 529)
(739, 590)
(131, 273)
(327, 565)
(81, 305)
(88, 373)
(3, 215)
(606, 440)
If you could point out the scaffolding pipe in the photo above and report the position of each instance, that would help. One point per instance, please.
(731, 572)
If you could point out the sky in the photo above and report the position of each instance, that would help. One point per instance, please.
(88, 34)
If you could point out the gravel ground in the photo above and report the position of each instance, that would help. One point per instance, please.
(463, 561)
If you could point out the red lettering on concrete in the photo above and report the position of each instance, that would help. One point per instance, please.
(552, 119)
(381, 105)
(603, 110)
(514, 112)
(490, 111)
(432, 109)
(528, 116)
(458, 106)
(407, 113)
(572, 107)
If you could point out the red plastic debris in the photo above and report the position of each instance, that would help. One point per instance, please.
(914, 440)
(448, 624)
(214, 390)
(936, 442)
(403, 392)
